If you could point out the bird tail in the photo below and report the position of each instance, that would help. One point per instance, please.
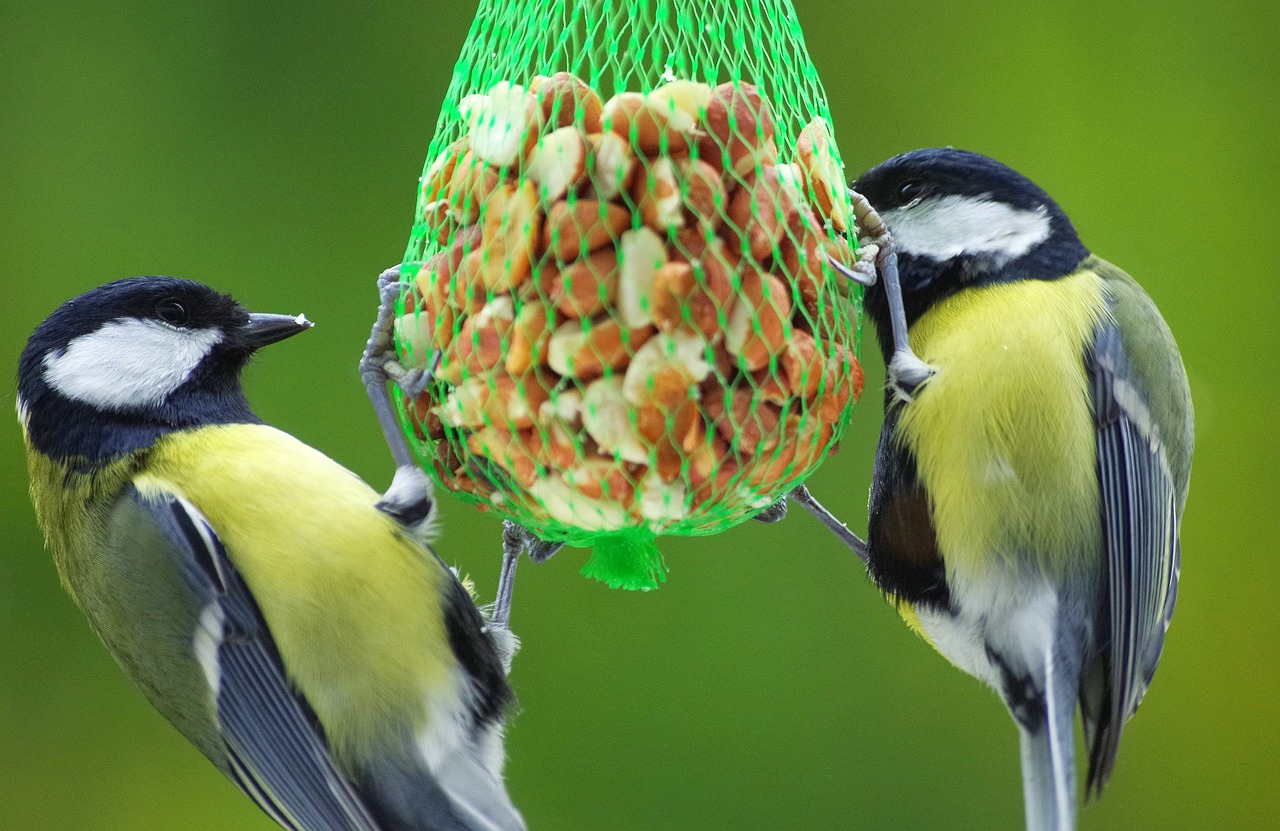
(1048, 753)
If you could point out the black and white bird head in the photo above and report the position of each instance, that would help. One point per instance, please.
(114, 368)
(960, 219)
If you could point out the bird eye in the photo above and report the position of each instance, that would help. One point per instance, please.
(911, 189)
(172, 312)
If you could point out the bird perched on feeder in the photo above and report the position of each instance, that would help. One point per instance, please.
(1034, 459)
(290, 623)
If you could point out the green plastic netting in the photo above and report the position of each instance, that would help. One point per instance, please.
(620, 271)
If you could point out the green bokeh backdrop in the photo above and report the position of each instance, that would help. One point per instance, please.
(272, 150)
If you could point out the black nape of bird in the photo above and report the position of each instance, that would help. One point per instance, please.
(1027, 496)
(298, 634)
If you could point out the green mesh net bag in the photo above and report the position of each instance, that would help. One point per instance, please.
(622, 273)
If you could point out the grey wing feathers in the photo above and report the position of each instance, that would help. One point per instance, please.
(1140, 517)
(275, 747)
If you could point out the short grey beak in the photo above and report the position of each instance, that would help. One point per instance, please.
(263, 329)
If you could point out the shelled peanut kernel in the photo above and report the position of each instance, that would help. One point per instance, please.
(634, 309)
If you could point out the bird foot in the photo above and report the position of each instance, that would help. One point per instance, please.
(774, 513)
(516, 539)
(379, 364)
(871, 228)
(906, 371)
(863, 270)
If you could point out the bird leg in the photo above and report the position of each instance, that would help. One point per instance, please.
(876, 256)
(801, 495)
(516, 539)
(380, 364)
(806, 500)
(906, 371)
(512, 545)
(409, 499)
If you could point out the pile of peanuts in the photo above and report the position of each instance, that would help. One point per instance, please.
(634, 305)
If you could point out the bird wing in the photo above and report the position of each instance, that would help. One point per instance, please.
(277, 751)
(1142, 489)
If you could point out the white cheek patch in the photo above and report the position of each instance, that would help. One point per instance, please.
(24, 413)
(953, 225)
(128, 363)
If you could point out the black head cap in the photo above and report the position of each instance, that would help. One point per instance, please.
(946, 171)
(123, 363)
(960, 219)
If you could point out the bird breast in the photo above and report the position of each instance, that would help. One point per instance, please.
(1002, 434)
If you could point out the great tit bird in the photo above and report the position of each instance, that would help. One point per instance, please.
(291, 625)
(1033, 464)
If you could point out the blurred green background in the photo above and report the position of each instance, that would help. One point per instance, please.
(272, 150)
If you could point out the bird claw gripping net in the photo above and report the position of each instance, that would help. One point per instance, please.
(623, 274)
